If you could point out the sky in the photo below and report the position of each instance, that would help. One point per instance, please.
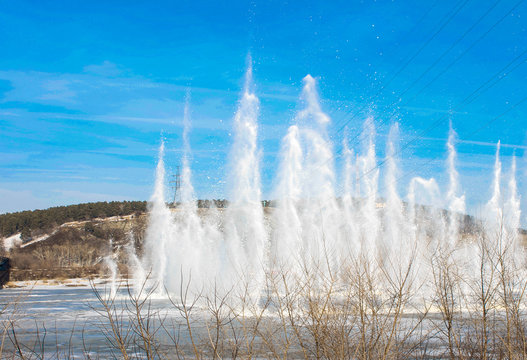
(88, 89)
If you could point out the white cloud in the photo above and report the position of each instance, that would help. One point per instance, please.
(479, 143)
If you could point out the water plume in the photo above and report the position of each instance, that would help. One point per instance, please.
(245, 232)
(395, 246)
(287, 247)
(456, 202)
(139, 275)
(349, 206)
(494, 211)
(311, 227)
(187, 190)
(111, 264)
(512, 216)
(368, 182)
(158, 237)
(319, 211)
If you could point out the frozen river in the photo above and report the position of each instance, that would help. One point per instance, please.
(52, 318)
(65, 322)
(59, 321)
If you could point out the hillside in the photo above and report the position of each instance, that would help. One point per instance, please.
(30, 223)
(73, 241)
(70, 241)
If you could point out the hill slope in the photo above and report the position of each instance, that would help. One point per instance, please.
(70, 241)
(30, 223)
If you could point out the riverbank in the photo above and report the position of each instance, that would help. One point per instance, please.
(63, 282)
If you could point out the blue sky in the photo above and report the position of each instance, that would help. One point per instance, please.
(88, 88)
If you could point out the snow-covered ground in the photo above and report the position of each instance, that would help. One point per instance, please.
(60, 283)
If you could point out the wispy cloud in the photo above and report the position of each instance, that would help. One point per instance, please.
(37, 86)
(479, 143)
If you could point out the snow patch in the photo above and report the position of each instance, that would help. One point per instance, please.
(38, 239)
(11, 241)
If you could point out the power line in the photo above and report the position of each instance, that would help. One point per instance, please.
(459, 57)
(454, 44)
(443, 23)
(487, 123)
(470, 98)
(498, 117)
(417, 23)
(473, 94)
(358, 136)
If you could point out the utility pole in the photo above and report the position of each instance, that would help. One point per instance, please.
(176, 184)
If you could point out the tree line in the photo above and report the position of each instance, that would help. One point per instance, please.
(27, 221)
